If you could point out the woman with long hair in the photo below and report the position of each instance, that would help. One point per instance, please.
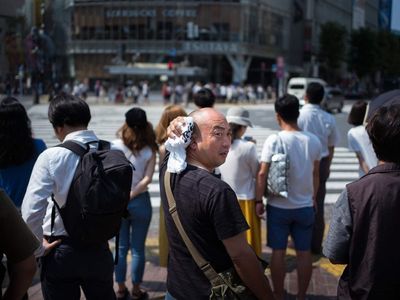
(240, 170)
(137, 141)
(170, 113)
(18, 150)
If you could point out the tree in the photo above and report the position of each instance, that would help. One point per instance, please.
(332, 47)
(364, 52)
(389, 53)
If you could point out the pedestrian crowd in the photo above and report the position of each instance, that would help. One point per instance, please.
(62, 205)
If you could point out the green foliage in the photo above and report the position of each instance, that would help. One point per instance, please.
(364, 52)
(372, 51)
(332, 41)
(389, 53)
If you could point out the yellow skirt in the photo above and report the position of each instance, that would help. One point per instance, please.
(162, 240)
(253, 235)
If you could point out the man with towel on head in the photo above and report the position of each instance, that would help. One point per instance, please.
(208, 209)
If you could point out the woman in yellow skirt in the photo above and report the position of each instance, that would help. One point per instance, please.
(240, 171)
(170, 113)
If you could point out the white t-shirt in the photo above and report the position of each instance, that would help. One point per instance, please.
(358, 141)
(139, 161)
(317, 121)
(303, 149)
(240, 169)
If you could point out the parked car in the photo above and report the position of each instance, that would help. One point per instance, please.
(297, 86)
(333, 100)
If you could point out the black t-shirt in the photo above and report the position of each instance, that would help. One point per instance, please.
(209, 212)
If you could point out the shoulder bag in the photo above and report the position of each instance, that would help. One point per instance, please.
(277, 179)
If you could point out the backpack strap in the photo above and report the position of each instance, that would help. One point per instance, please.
(79, 150)
(104, 145)
(74, 147)
(53, 213)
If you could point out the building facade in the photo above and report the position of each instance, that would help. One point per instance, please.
(227, 38)
(232, 40)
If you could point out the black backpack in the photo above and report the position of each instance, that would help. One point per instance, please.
(99, 194)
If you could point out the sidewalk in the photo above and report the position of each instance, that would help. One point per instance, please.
(322, 286)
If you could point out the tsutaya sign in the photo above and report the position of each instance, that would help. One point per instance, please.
(150, 13)
(210, 47)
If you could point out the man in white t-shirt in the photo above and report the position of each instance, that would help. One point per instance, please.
(317, 121)
(293, 215)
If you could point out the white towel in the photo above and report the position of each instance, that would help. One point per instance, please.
(177, 147)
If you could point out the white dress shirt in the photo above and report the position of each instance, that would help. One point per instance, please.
(52, 174)
(317, 121)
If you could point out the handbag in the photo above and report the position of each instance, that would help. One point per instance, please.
(224, 285)
(277, 179)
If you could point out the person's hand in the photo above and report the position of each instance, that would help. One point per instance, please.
(315, 205)
(260, 210)
(175, 127)
(49, 246)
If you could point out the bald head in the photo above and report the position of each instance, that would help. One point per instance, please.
(210, 140)
(204, 118)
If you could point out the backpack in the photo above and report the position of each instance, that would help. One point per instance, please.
(99, 194)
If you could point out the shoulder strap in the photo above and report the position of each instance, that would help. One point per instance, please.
(74, 147)
(104, 145)
(204, 265)
(281, 144)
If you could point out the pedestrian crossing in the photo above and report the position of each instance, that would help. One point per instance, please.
(106, 120)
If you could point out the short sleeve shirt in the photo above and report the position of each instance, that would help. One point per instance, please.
(209, 212)
(303, 149)
(17, 241)
(313, 119)
(139, 160)
(358, 141)
(240, 169)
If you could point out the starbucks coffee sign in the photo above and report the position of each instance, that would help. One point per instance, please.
(150, 13)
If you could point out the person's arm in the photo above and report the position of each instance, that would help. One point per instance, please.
(315, 182)
(161, 155)
(248, 267)
(362, 162)
(18, 243)
(337, 244)
(21, 275)
(331, 150)
(35, 202)
(260, 188)
(333, 139)
(146, 180)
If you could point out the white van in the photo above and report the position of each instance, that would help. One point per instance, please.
(297, 86)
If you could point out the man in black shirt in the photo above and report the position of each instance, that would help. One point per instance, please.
(210, 214)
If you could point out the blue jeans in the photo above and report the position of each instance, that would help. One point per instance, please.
(133, 235)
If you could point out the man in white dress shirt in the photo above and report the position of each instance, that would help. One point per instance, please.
(317, 121)
(67, 266)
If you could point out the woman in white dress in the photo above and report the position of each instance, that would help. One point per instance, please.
(240, 171)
